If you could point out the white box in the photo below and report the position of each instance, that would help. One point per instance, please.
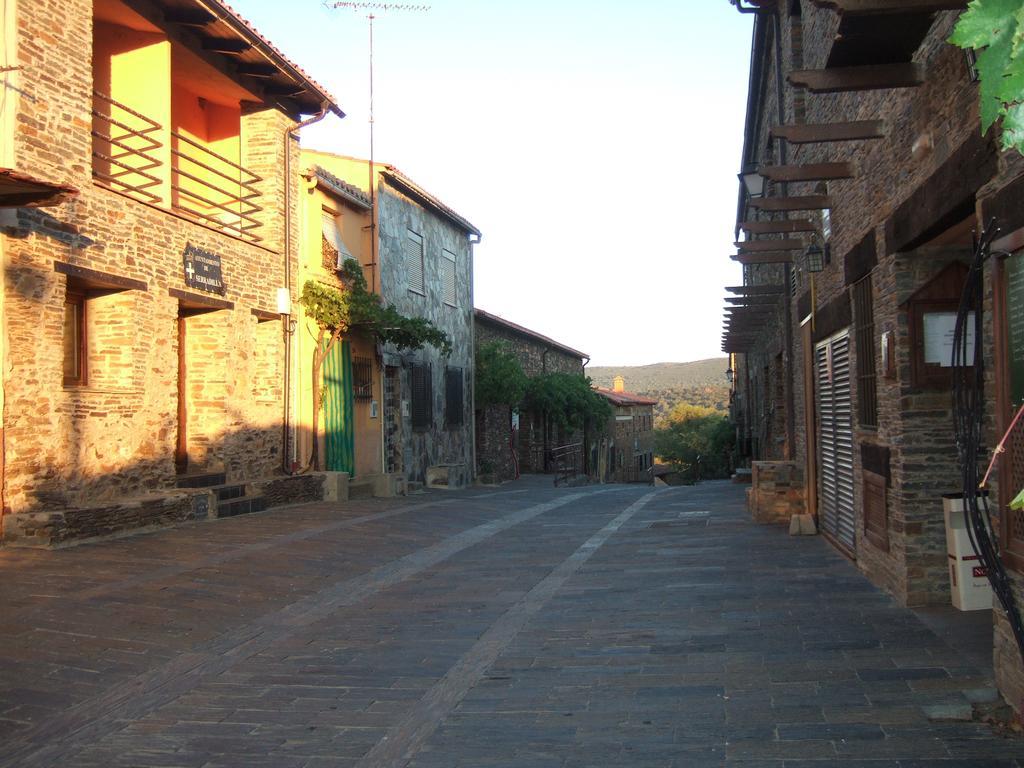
(968, 579)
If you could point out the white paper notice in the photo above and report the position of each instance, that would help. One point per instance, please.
(939, 328)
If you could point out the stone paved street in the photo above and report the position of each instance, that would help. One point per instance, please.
(520, 626)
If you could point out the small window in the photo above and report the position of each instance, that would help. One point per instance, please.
(453, 400)
(74, 339)
(414, 262)
(362, 378)
(448, 278)
(333, 247)
(422, 391)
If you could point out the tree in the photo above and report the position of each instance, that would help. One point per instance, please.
(994, 29)
(499, 378)
(338, 312)
(693, 434)
(568, 400)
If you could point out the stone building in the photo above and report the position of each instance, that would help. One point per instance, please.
(510, 442)
(143, 340)
(864, 175)
(336, 229)
(626, 453)
(421, 261)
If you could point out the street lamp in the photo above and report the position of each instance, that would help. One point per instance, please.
(752, 180)
(814, 258)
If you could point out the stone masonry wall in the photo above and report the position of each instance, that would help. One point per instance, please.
(115, 436)
(397, 214)
(535, 356)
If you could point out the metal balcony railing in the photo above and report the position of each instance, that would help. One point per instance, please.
(567, 462)
(123, 146)
(211, 187)
(203, 184)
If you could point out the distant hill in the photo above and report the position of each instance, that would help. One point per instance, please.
(701, 382)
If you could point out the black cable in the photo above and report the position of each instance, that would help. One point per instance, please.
(968, 420)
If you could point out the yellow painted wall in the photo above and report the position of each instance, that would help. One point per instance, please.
(217, 128)
(134, 68)
(353, 221)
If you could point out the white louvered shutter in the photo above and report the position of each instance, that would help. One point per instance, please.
(414, 261)
(448, 278)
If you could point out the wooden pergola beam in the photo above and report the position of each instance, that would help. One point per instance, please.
(751, 301)
(820, 133)
(810, 172)
(757, 290)
(776, 257)
(760, 246)
(805, 203)
(880, 7)
(873, 77)
(777, 227)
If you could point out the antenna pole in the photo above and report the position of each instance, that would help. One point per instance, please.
(356, 6)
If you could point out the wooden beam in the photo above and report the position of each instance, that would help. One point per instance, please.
(288, 89)
(752, 301)
(759, 246)
(778, 227)
(810, 172)
(757, 290)
(881, 7)
(820, 133)
(189, 17)
(763, 258)
(873, 77)
(232, 46)
(777, 257)
(805, 203)
(257, 70)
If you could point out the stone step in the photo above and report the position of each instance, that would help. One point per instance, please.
(360, 489)
(228, 492)
(241, 506)
(201, 480)
(412, 486)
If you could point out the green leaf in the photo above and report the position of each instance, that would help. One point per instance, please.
(1018, 501)
(985, 22)
(1013, 128)
(994, 29)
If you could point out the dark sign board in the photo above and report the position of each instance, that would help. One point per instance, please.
(202, 270)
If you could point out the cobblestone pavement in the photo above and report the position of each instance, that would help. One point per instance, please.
(521, 626)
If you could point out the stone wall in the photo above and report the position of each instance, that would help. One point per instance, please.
(536, 356)
(397, 215)
(776, 491)
(73, 446)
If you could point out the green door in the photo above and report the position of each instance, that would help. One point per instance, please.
(339, 410)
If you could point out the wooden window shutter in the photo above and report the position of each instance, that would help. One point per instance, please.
(448, 286)
(876, 515)
(453, 400)
(414, 261)
(422, 396)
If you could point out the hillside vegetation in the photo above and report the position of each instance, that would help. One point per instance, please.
(701, 382)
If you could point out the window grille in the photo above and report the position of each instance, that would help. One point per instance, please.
(422, 396)
(362, 378)
(414, 261)
(448, 278)
(74, 339)
(867, 385)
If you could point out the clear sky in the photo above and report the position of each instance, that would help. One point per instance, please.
(595, 144)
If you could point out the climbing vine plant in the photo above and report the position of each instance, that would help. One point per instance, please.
(337, 312)
(994, 30)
